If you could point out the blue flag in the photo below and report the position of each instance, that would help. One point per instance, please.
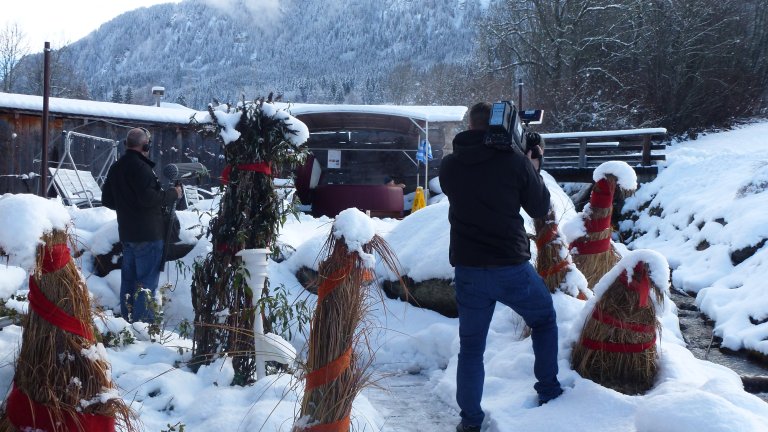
(424, 152)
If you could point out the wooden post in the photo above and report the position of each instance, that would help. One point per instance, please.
(583, 152)
(46, 96)
(646, 150)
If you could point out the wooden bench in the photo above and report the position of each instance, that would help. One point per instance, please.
(573, 156)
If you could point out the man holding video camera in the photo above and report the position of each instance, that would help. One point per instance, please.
(133, 191)
(487, 185)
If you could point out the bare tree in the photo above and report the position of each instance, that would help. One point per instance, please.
(682, 64)
(66, 81)
(566, 51)
(13, 47)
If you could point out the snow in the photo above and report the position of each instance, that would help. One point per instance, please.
(176, 114)
(98, 109)
(416, 112)
(356, 229)
(23, 221)
(625, 175)
(690, 395)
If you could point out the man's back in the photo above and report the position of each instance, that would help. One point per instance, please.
(133, 191)
(486, 188)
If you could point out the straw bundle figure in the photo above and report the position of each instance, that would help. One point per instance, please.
(257, 139)
(335, 374)
(62, 381)
(617, 346)
(553, 262)
(593, 253)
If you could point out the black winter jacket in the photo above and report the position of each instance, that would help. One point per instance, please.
(133, 191)
(486, 188)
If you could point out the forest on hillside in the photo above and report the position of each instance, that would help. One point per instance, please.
(687, 65)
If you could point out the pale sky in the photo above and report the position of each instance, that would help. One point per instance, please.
(64, 21)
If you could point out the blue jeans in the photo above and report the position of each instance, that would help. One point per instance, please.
(139, 278)
(521, 288)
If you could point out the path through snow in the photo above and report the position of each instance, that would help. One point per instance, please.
(408, 404)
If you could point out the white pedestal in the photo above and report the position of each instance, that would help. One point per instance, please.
(269, 347)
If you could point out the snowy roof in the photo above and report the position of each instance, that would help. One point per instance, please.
(174, 113)
(416, 112)
(179, 114)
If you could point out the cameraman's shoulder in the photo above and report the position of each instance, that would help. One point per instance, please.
(469, 137)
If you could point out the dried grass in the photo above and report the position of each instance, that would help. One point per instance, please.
(51, 360)
(552, 256)
(628, 373)
(336, 326)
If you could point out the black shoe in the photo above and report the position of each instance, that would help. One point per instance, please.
(461, 427)
(542, 401)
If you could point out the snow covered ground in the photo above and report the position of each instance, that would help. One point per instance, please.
(713, 189)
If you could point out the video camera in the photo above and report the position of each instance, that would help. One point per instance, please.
(504, 127)
(507, 124)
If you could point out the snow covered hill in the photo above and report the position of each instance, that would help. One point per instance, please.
(200, 49)
(706, 212)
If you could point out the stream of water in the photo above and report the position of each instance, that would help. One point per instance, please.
(697, 331)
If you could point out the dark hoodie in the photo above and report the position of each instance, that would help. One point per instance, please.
(486, 188)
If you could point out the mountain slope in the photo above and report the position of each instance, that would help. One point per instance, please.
(312, 50)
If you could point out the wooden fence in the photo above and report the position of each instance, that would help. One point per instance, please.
(571, 157)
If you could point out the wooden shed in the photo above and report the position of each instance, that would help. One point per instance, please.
(365, 143)
(174, 138)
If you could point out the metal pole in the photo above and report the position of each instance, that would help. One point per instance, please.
(426, 161)
(418, 164)
(520, 95)
(46, 96)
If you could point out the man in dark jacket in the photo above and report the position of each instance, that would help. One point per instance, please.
(133, 191)
(489, 248)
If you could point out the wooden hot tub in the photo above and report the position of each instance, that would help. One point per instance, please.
(381, 200)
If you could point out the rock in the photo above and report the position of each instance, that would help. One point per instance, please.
(741, 255)
(113, 260)
(308, 279)
(438, 295)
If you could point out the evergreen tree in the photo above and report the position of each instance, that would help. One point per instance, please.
(128, 95)
(117, 96)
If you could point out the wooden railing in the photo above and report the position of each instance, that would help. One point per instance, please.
(572, 156)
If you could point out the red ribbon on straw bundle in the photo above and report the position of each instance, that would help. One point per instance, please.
(547, 236)
(55, 258)
(611, 320)
(331, 282)
(602, 194)
(260, 167)
(329, 372)
(337, 426)
(554, 269)
(641, 283)
(630, 348)
(27, 414)
(597, 225)
(589, 247)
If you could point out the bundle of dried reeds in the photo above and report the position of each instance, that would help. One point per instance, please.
(617, 347)
(335, 372)
(593, 253)
(62, 380)
(553, 262)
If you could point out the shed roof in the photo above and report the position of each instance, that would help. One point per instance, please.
(315, 116)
